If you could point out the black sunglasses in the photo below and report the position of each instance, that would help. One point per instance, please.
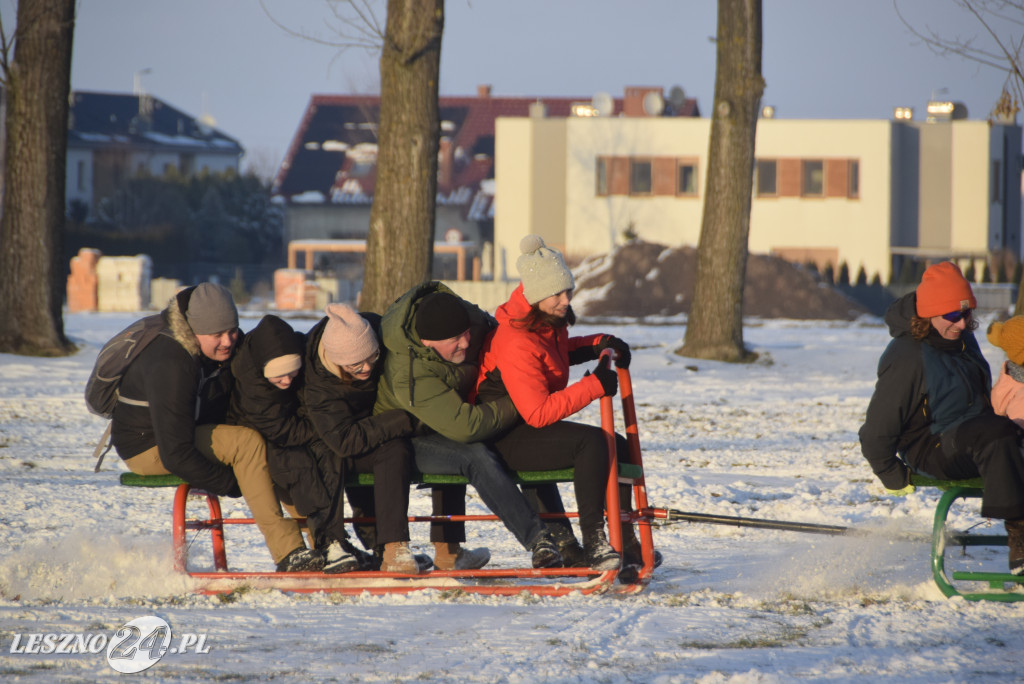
(957, 316)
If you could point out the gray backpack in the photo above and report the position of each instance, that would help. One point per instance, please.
(101, 390)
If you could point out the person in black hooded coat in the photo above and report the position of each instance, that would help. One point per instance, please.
(343, 362)
(268, 373)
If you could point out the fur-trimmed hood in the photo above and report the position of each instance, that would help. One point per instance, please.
(178, 325)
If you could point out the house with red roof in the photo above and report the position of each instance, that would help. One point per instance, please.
(327, 179)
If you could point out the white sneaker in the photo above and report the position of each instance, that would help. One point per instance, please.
(337, 560)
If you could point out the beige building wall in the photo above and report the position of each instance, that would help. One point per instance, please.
(530, 171)
(595, 224)
(856, 228)
(971, 181)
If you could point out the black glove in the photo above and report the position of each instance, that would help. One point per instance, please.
(609, 379)
(621, 349)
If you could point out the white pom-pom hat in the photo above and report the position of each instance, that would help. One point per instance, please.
(542, 269)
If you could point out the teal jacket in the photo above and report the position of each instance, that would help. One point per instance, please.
(417, 380)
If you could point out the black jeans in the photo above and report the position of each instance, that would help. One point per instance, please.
(391, 465)
(563, 445)
(987, 446)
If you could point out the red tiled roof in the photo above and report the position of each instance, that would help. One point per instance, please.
(319, 158)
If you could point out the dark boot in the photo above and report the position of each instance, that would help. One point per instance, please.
(633, 557)
(568, 548)
(632, 553)
(545, 554)
(598, 552)
(1015, 540)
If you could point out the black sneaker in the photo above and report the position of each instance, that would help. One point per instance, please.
(302, 559)
(545, 555)
(365, 559)
(424, 561)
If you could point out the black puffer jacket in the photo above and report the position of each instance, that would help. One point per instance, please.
(341, 412)
(273, 412)
(902, 414)
(183, 389)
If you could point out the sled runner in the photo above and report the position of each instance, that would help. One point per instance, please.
(942, 538)
(496, 581)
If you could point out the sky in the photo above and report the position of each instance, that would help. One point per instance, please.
(228, 59)
(730, 605)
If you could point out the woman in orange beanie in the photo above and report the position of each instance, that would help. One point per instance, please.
(932, 408)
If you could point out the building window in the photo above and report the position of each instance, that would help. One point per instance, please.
(766, 178)
(640, 177)
(81, 176)
(813, 178)
(853, 179)
(686, 178)
(997, 181)
(601, 177)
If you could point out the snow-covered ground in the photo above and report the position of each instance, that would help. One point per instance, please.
(776, 439)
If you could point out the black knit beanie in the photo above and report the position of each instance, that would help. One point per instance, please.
(441, 316)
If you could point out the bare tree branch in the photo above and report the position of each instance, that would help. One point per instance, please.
(360, 29)
(1005, 52)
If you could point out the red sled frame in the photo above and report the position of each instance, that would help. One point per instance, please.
(494, 581)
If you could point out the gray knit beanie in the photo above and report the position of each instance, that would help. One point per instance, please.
(211, 310)
(542, 269)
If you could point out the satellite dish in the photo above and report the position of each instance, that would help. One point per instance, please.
(654, 103)
(604, 104)
(677, 98)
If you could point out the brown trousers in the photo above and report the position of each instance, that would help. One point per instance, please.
(245, 451)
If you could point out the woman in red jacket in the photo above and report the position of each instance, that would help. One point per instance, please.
(528, 357)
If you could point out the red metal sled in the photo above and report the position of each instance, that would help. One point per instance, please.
(495, 581)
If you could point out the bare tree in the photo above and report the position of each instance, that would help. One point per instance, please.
(998, 45)
(715, 327)
(36, 82)
(399, 252)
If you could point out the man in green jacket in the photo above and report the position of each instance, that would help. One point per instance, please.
(433, 340)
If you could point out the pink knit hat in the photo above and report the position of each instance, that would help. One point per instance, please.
(348, 337)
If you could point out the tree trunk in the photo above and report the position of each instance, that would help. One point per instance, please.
(715, 326)
(32, 277)
(399, 251)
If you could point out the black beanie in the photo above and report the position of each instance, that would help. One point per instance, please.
(441, 316)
